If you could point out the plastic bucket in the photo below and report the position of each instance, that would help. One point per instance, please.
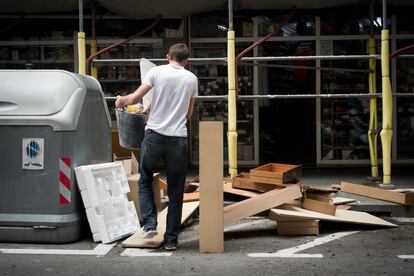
(131, 128)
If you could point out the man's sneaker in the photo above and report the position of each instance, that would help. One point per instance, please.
(148, 233)
(170, 246)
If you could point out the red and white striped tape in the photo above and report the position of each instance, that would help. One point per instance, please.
(64, 181)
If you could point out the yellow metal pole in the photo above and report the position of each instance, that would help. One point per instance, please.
(94, 70)
(232, 104)
(373, 120)
(386, 133)
(81, 53)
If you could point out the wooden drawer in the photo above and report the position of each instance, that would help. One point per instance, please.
(274, 173)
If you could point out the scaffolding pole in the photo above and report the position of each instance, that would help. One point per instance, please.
(386, 132)
(232, 98)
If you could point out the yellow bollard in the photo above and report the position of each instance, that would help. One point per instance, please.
(386, 133)
(81, 53)
(373, 120)
(232, 104)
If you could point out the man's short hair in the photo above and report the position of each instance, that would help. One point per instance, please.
(178, 52)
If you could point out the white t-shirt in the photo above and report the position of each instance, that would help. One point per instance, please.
(173, 88)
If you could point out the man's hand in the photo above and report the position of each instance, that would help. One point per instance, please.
(119, 103)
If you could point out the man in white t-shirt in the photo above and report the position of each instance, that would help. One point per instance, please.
(173, 95)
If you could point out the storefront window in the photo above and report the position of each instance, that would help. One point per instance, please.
(344, 122)
(405, 105)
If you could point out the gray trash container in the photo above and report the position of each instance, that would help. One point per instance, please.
(51, 121)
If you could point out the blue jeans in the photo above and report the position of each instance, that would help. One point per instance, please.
(173, 151)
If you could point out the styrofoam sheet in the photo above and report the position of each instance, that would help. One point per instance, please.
(103, 189)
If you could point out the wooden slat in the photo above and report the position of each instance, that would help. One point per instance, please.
(227, 188)
(341, 216)
(211, 187)
(155, 242)
(163, 185)
(134, 163)
(260, 203)
(386, 195)
(188, 197)
(318, 206)
(342, 200)
(343, 207)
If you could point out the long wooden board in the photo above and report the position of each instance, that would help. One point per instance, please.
(260, 203)
(211, 187)
(155, 242)
(386, 195)
(341, 216)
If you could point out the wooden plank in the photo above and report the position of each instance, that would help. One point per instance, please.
(341, 216)
(260, 203)
(318, 206)
(386, 195)
(163, 185)
(188, 197)
(342, 200)
(242, 181)
(320, 189)
(211, 187)
(155, 242)
(275, 217)
(134, 163)
(133, 194)
(228, 188)
(343, 207)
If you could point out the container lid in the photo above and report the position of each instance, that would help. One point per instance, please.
(35, 92)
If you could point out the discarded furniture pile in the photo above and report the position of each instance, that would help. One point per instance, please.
(110, 195)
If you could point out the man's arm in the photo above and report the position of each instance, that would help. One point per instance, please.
(190, 109)
(134, 97)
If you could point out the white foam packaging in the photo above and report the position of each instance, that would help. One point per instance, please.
(103, 189)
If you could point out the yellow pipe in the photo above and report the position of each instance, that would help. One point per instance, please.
(386, 133)
(94, 48)
(232, 110)
(373, 120)
(81, 53)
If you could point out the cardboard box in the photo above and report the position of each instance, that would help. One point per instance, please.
(133, 194)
